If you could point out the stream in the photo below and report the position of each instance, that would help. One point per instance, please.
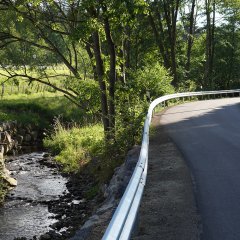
(25, 212)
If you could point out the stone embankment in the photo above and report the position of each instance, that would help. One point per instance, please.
(15, 137)
(94, 228)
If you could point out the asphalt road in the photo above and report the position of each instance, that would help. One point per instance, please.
(208, 135)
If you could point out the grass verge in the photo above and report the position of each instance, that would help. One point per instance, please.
(83, 149)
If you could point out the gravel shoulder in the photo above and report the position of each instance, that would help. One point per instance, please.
(168, 210)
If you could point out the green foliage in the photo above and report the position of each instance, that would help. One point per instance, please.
(73, 145)
(88, 93)
(133, 100)
(32, 39)
(187, 86)
(153, 78)
(227, 52)
(83, 148)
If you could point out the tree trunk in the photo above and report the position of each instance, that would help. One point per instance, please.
(125, 55)
(127, 48)
(91, 56)
(112, 75)
(171, 13)
(122, 64)
(210, 30)
(159, 41)
(233, 51)
(208, 43)
(190, 36)
(102, 85)
(211, 60)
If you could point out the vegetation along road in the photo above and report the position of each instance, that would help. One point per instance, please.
(76, 79)
(208, 134)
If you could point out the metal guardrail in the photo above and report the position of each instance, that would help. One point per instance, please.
(122, 222)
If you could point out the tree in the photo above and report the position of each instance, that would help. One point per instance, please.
(227, 47)
(163, 18)
(191, 32)
(60, 28)
(210, 8)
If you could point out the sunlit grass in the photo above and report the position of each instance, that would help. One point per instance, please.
(20, 85)
(39, 109)
(75, 146)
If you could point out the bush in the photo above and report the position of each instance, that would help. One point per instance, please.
(132, 101)
(154, 79)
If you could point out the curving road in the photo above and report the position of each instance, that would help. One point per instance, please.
(208, 135)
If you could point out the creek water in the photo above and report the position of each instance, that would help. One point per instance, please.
(25, 211)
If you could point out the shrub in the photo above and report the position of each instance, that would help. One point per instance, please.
(154, 79)
(132, 102)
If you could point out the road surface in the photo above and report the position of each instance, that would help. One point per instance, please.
(208, 135)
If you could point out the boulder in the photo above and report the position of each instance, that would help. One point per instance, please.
(6, 176)
(21, 131)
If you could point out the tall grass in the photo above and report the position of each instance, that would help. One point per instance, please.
(75, 146)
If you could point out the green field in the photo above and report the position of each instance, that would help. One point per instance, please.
(38, 108)
(21, 85)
